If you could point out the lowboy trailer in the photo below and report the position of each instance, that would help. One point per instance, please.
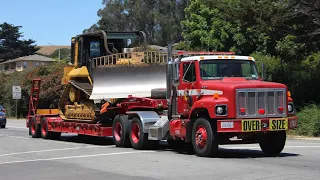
(200, 98)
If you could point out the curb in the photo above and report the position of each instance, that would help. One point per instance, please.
(13, 119)
(304, 138)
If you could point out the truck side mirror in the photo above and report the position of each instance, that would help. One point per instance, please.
(175, 82)
(175, 78)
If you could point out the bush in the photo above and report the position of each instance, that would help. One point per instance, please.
(273, 65)
(51, 88)
(309, 121)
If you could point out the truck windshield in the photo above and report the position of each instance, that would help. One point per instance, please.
(217, 69)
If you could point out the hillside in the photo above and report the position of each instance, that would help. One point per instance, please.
(48, 50)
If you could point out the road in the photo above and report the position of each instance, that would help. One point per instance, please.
(22, 157)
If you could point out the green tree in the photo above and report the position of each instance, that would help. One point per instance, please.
(159, 19)
(242, 26)
(11, 46)
(282, 33)
(113, 17)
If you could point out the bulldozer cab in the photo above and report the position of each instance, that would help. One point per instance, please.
(87, 46)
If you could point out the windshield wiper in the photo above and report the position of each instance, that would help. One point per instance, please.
(250, 78)
(213, 78)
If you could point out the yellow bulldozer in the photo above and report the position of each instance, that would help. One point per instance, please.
(97, 59)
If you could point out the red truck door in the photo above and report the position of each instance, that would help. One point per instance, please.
(186, 87)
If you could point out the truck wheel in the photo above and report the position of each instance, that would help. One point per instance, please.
(120, 132)
(204, 138)
(159, 93)
(272, 143)
(138, 139)
(45, 134)
(34, 128)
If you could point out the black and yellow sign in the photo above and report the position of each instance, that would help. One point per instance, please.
(278, 124)
(251, 125)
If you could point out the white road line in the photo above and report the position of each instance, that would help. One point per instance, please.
(43, 140)
(18, 137)
(253, 147)
(74, 157)
(50, 150)
(17, 127)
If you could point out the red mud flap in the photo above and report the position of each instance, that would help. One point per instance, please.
(256, 125)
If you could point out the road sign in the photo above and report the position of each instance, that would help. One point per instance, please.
(16, 92)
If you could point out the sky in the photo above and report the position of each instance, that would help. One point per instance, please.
(50, 21)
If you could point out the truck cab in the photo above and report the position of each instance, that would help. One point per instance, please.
(220, 97)
(230, 87)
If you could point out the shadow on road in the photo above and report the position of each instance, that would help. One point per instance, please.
(247, 153)
(187, 150)
(228, 153)
(103, 141)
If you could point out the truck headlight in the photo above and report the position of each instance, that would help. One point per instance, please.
(221, 110)
(290, 108)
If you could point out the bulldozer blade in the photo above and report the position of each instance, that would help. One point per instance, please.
(121, 81)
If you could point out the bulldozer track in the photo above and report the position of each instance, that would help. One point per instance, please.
(86, 88)
(83, 86)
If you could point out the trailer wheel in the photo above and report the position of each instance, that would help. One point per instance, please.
(29, 127)
(204, 138)
(45, 134)
(120, 132)
(138, 139)
(272, 143)
(34, 128)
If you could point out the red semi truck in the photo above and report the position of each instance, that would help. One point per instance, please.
(200, 98)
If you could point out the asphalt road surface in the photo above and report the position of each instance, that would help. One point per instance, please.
(24, 158)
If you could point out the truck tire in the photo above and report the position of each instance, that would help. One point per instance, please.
(159, 93)
(120, 132)
(34, 128)
(45, 133)
(204, 138)
(272, 143)
(138, 139)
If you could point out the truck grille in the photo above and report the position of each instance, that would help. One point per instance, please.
(261, 103)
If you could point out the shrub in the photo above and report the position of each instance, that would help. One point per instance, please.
(51, 88)
(309, 121)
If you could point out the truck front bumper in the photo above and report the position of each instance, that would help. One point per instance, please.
(257, 125)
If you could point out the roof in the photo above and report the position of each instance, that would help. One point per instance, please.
(210, 57)
(34, 57)
(48, 50)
